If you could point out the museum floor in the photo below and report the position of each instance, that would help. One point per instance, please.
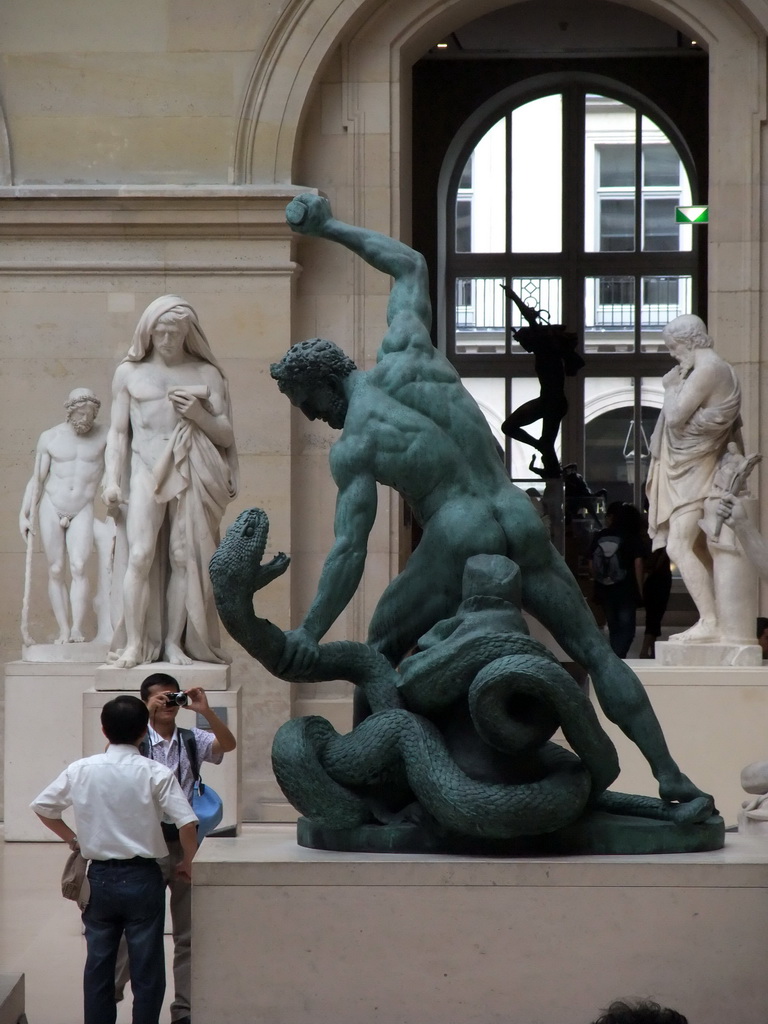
(41, 935)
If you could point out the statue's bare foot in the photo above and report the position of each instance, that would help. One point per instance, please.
(175, 655)
(687, 802)
(76, 637)
(129, 658)
(62, 638)
(704, 631)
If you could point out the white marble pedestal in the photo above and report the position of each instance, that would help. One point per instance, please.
(225, 777)
(284, 935)
(715, 720)
(43, 734)
(52, 718)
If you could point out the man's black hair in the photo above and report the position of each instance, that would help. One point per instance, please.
(124, 719)
(157, 679)
(642, 1012)
(762, 625)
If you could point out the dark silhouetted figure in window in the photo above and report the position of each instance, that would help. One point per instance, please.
(555, 358)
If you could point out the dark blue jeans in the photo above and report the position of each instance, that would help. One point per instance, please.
(620, 616)
(126, 896)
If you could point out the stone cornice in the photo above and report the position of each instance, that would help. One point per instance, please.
(145, 212)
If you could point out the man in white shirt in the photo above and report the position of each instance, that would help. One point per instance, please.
(119, 799)
(165, 745)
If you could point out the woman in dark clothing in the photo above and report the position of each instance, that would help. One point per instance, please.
(656, 590)
(617, 568)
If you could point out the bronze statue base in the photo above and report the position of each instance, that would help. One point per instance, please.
(596, 833)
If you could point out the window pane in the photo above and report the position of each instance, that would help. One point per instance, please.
(463, 225)
(481, 204)
(660, 232)
(663, 298)
(480, 315)
(661, 165)
(617, 225)
(665, 186)
(466, 175)
(616, 165)
(609, 314)
(609, 423)
(610, 129)
(537, 168)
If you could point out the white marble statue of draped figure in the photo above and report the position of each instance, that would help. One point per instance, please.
(697, 432)
(171, 470)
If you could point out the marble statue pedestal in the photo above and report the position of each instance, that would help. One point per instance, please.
(129, 680)
(52, 718)
(43, 734)
(689, 655)
(225, 777)
(336, 938)
(714, 720)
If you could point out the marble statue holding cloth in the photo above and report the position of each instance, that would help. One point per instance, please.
(171, 470)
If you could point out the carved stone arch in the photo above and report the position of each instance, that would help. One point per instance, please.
(307, 33)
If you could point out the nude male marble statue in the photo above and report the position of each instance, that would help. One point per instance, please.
(409, 423)
(698, 421)
(69, 465)
(171, 458)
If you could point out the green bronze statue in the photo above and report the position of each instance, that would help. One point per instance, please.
(410, 424)
(451, 751)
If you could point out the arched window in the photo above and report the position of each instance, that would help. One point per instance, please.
(565, 189)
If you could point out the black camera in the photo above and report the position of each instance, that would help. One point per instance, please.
(179, 698)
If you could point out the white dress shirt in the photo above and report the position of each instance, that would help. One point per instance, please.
(119, 799)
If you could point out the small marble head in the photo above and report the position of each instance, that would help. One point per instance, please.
(82, 408)
(688, 330)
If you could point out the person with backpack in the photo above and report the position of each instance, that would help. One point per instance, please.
(181, 750)
(616, 561)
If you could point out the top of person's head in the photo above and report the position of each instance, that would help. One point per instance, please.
(641, 1012)
(690, 329)
(625, 516)
(311, 362)
(762, 625)
(124, 719)
(157, 679)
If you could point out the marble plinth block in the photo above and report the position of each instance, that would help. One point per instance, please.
(714, 720)
(43, 734)
(129, 680)
(225, 777)
(753, 828)
(52, 718)
(88, 653)
(668, 652)
(286, 935)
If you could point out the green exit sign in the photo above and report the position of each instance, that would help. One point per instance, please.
(692, 214)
